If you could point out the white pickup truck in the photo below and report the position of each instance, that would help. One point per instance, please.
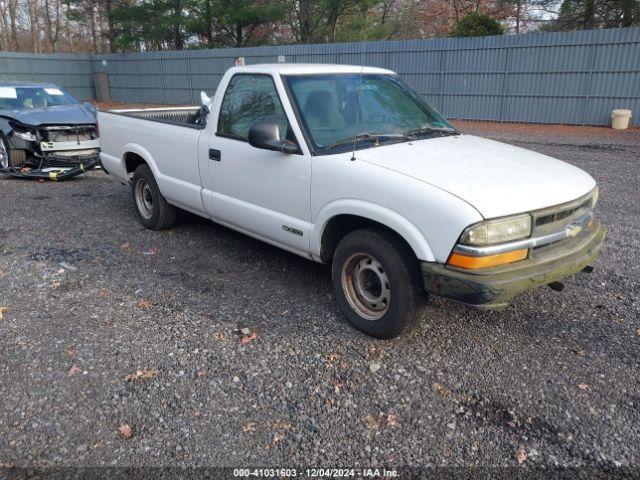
(350, 167)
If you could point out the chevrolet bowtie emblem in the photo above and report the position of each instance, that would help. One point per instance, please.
(573, 230)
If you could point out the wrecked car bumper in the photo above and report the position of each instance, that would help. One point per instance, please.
(56, 169)
(493, 288)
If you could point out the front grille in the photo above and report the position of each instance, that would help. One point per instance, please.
(556, 219)
(562, 214)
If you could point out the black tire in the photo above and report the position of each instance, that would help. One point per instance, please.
(393, 263)
(152, 208)
(15, 158)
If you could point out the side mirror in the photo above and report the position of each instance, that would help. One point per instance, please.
(265, 134)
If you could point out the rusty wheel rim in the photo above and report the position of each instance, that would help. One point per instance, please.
(366, 286)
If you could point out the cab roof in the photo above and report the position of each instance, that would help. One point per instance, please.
(308, 68)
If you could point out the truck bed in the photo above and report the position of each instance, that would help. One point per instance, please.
(182, 116)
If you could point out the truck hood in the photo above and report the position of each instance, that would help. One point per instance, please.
(495, 178)
(63, 115)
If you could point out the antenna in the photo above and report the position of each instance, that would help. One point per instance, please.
(363, 57)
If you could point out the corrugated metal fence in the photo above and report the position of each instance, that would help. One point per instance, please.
(571, 77)
(73, 72)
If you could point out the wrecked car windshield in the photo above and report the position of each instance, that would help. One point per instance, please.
(20, 98)
(337, 107)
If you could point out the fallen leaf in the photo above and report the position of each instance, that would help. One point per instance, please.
(144, 304)
(3, 310)
(201, 373)
(278, 425)
(71, 351)
(127, 247)
(248, 338)
(521, 455)
(218, 336)
(580, 353)
(392, 419)
(151, 251)
(337, 386)
(73, 370)
(103, 293)
(638, 332)
(376, 352)
(332, 357)
(583, 386)
(125, 430)
(249, 427)
(278, 437)
(443, 391)
(141, 374)
(55, 285)
(371, 422)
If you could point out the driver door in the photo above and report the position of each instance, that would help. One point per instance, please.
(261, 192)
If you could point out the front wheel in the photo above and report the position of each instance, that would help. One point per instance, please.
(377, 283)
(10, 157)
(152, 208)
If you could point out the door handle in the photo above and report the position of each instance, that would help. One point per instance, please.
(215, 155)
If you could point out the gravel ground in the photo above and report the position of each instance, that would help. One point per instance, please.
(94, 298)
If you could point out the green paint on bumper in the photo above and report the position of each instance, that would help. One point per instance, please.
(492, 289)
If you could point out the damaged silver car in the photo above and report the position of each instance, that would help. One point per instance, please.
(45, 132)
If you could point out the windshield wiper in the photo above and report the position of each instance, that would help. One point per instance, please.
(373, 136)
(430, 129)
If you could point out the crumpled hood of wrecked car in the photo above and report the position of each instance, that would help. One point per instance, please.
(495, 178)
(62, 115)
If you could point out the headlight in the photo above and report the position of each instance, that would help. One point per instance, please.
(24, 134)
(498, 231)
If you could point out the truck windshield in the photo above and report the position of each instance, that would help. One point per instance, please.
(19, 98)
(368, 109)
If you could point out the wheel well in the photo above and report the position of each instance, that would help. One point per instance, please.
(133, 161)
(341, 225)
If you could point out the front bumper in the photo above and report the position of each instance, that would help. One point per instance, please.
(491, 289)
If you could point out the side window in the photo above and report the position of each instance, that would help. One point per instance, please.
(250, 98)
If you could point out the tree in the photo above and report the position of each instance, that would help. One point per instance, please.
(589, 14)
(477, 25)
(236, 20)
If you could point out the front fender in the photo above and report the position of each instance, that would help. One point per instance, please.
(391, 219)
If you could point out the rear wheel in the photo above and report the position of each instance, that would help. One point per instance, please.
(10, 157)
(377, 283)
(152, 208)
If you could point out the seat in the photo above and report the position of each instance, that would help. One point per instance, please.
(322, 117)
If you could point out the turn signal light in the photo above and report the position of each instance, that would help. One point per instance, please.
(469, 262)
